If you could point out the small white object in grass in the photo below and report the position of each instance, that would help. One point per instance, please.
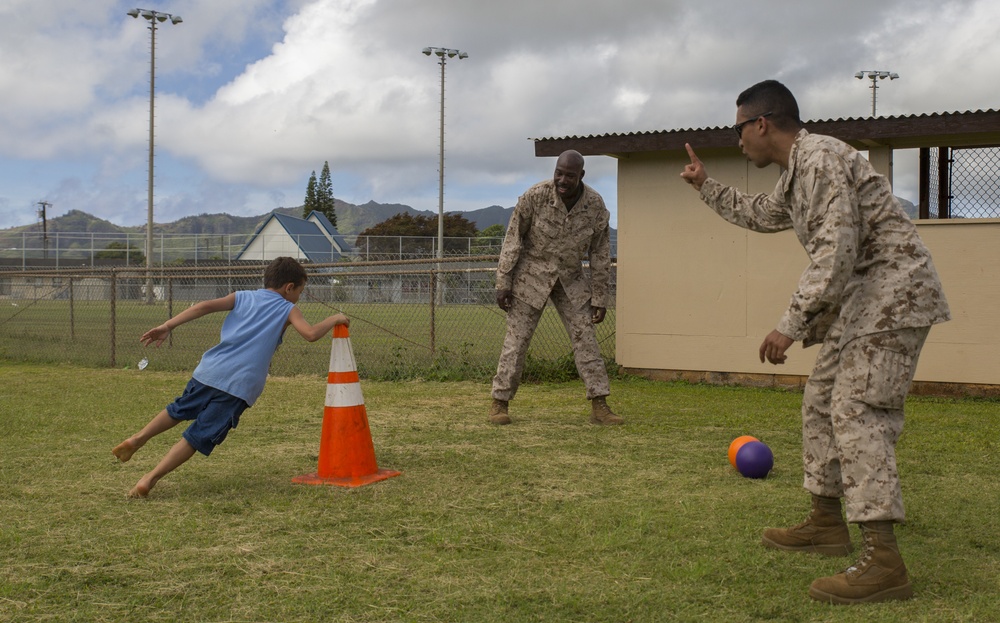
(143, 363)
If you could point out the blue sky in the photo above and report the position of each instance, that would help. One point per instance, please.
(254, 95)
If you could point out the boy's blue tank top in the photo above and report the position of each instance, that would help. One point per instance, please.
(251, 332)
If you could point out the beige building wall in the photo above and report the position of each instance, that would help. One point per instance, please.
(696, 293)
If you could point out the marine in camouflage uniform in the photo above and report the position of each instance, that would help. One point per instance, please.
(869, 295)
(555, 226)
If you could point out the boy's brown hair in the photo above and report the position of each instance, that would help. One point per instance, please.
(284, 270)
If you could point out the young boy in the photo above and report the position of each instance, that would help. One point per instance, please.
(231, 375)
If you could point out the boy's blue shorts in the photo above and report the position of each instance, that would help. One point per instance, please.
(214, 413)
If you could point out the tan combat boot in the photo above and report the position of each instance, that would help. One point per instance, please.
(879, 575)
(601, 413)
(823, 532)
(498, 412)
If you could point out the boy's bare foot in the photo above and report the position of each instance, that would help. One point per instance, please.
(139, 491)
(124, 450)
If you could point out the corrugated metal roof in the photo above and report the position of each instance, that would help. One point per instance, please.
(728, 128)
(902, 131)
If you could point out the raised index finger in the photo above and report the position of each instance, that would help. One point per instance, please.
(691, 154)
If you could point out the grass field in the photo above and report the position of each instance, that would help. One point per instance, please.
(549, 519)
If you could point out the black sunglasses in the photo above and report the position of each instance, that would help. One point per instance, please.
(738, 128)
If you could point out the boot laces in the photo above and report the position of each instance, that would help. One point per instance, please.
(802, 525)
(809, 521)
(866, 556)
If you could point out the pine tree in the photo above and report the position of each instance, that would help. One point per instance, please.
(324, 195)
(310, 203)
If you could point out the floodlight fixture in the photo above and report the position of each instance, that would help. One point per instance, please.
(875, 75)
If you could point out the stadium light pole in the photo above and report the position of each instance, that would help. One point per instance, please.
(444, 54)
(152, 17)
(875, 75)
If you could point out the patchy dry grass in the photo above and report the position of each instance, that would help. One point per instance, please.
(549, 519)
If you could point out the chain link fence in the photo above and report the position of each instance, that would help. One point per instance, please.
(409, 319)
(963, 182)
(36, 247)
(92, 249)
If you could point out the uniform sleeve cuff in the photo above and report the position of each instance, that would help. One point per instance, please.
(789, 327)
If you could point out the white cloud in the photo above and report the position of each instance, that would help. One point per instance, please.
(253, 95)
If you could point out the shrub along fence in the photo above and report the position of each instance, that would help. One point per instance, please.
(409, 319)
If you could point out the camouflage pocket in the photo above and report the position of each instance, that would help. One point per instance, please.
(889, 377)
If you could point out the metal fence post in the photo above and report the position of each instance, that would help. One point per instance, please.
(944, 182)
(170, 307)
(114, 299)
(433, 297)
(72, 321)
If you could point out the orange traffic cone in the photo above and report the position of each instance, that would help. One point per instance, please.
(346, 453)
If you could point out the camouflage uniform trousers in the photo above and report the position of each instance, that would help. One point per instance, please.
(852, 417)
(522, 319)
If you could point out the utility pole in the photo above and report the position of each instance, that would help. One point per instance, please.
(45, 234)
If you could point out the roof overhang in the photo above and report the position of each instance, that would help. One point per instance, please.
(979, 128)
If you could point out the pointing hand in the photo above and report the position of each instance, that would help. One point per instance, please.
(694, 173)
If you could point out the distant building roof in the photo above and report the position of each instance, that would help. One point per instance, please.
(316, 239)
(331, 230)
(950, 129)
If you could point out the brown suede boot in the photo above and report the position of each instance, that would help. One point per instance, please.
(879, 575)
(601, 413)
(498, 412)
(823, 532)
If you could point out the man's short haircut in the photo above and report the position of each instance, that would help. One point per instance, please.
(770, 96)
(284, 270)
(571, 158)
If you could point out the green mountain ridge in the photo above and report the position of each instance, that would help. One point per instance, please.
(351, 220)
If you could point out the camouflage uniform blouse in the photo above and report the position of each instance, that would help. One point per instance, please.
(867, 263)
(545, 243)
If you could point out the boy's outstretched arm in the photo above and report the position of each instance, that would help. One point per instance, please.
(312, 332)
(160, 333)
